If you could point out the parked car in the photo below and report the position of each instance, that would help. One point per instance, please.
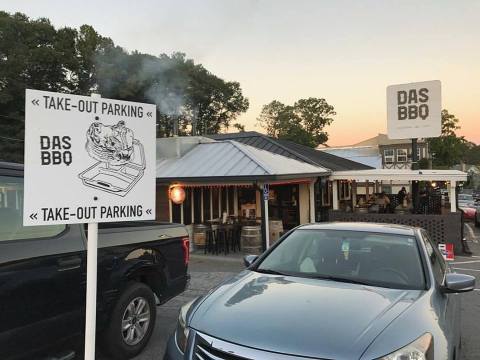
(331, 291)
(43, 278)
(468, 205)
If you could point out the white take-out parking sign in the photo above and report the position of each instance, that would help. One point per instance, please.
(414, 110)
(88, 159)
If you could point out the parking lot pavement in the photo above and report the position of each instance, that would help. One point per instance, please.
(205, 272)
(471, 301)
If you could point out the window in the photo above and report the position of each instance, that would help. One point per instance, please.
(11, 214)
(401, 155)
(388, 155)
(435, 258)
(384, 260)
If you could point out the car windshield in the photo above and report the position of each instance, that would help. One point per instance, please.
(369, 258)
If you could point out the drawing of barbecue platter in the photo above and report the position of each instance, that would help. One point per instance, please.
(120, 158)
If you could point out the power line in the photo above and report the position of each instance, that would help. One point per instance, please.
(12, 139)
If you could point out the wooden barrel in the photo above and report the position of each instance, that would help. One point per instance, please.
(199, 235)
(275, 229)
(251, 239)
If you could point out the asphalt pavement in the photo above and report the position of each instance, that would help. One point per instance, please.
(205, 273)
(470, 301)
(208, 271)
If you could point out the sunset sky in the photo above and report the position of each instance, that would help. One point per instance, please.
(345, 51)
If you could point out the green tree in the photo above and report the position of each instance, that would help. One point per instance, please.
(182, 90)
(304, 122)
(448, 149)
(472, 154)
(32, 55)
(239, 127)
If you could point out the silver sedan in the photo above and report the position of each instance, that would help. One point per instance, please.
(331, 291)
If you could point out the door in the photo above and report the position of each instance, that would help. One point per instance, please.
(41, 275)
(446, 306)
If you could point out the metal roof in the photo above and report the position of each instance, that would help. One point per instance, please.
(400, 174)
(292, 150)
(230, 160)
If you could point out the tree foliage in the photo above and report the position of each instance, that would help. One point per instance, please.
(448, 149)
(33, 54)
(302, 122)
(472, 154)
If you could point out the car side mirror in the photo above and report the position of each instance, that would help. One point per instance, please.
(458, 283)
(249, 260)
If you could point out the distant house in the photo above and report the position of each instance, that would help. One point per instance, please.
(367, 155)
(381, 152)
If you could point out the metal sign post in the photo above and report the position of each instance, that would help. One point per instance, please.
(415, 184)
(91, 291)
(91, 303)
(266, 194)
(94, 160)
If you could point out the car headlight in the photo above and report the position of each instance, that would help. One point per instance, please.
(420, 349)
(181, 334)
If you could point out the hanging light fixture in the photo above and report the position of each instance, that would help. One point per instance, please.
(176, 194)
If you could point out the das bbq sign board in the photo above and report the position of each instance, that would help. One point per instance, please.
(88, 159)
(414, 110)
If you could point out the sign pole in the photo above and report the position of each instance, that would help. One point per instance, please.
(91, 297)
(91, 303)
(266, 194)
(415, 184)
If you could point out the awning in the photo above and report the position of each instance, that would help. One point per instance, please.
(399, 174)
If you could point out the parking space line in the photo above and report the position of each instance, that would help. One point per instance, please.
(466, 262)
(455, 268)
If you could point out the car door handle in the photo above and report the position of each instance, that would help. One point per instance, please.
(70, 263)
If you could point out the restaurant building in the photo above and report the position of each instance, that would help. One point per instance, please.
(229, 182)
(251, 181)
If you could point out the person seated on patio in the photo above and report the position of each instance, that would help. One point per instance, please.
(371, 199)
(383, 201)
(401, 195)
(405, 205)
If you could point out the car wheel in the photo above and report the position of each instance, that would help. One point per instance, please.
(131, 322)
(477, 223)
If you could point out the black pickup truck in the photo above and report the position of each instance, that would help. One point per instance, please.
(43, 279)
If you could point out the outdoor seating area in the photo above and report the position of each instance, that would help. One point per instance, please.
(418, 203)
(430, 202)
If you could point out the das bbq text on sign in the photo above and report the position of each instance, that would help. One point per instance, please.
(414, 110)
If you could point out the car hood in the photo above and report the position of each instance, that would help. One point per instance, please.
(299, 316)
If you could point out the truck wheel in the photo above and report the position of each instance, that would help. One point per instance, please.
(131, 322)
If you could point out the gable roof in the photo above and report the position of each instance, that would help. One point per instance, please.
(292, 150)
(231, 160)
